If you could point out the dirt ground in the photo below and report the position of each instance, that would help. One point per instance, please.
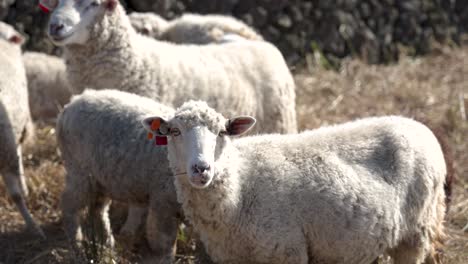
(434, 88)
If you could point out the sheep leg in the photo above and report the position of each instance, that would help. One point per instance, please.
(161, 232)
(74, 200)
(408, 253)
(99, 213)
(22, 178)
(13, 183)
(133, 222)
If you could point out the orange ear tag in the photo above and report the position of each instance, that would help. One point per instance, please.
(155, 124)
(150, 135)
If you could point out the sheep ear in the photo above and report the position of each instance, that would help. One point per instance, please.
(239, 125)
(48, 5)
(111, 5)
(16, 39)
(156, 125)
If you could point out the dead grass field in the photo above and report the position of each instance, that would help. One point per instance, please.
(434, 88)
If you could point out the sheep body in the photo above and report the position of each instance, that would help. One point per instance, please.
(48, 86)
(238, 77)
(340, 194)
(107, 156)
(16, 127)
(205, 29)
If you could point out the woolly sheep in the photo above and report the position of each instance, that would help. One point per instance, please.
(205, 29)
(340, 194)
(103, 50)
(48, 86)
(107, 157)
(148, 24)
(15, 120)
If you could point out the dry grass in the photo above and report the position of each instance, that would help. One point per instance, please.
(429, 88)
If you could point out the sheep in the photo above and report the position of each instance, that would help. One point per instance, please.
(16, 127)
(106, 157)
(206, 29)
(148, 24)
(339, 194)
(48, 86)
(102, 50)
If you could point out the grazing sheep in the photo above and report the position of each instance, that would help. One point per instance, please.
(205, 29)
(340, 194)
(102, 50)
(148, 24)
(48, 86)
(107, 157)
(15, 120)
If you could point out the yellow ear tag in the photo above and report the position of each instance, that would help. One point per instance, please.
(155, 124)
(150, 135)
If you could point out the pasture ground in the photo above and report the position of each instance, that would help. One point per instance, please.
(434, 88)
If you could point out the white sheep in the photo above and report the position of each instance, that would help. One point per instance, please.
(107, 156)
(340, 194)
(149, 24)
(205, 29)
(15, 120)
(48, 86)
(102, 50)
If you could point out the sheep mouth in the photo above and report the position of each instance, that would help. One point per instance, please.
(200, 180)
(61, 38)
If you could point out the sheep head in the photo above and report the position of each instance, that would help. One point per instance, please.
(197, 136)
(71, 20)
(9, 34)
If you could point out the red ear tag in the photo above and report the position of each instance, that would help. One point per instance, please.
(150, 135)
(155, 124)
(161, 140)
(43, 8)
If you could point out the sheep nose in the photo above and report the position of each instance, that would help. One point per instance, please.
(201, 167)
(55, 28)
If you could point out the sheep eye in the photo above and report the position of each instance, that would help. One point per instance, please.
(222, 133)
(175, 132)
(94, 4)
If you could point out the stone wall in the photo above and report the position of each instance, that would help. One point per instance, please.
(372, 29)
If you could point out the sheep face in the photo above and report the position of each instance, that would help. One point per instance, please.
(9, 34)
(71, 20)
(197, 139)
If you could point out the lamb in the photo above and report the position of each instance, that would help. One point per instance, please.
(107, 157)
(16, 127)
(340, 194)
(206, 29)
(102, 50)
(48, 86)
(148, 24)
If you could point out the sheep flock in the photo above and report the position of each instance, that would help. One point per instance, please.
(193, 125)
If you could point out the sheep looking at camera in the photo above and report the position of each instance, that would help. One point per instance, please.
(107, 157)
(102, 50)
(16, 127)
(341, 194)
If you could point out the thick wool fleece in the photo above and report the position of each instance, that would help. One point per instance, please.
(205, 29)
(340, 194)
(249, 77)
(107, 156)
(49, 89)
